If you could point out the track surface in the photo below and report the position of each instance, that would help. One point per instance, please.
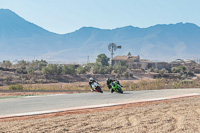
(20, 105)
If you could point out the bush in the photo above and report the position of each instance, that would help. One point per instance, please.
(178, 69)
(126, 74)
(190, 73)
(39, 64)
(119, 68)
(6, 64)
(68, 69)
(30, 70)
(82, 69)
(21, 70)
(101, 69)
(52, 69)
(16, 87)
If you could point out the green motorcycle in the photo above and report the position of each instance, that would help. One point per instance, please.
(116, 87)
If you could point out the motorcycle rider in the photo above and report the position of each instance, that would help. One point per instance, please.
(114, 86)
(109, 83)
(91, 81)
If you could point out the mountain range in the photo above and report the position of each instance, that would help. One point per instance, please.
(20, 39)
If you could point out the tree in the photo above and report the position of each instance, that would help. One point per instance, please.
(119, 68)
(82, 69)
(52, 69)
(162, 72)
(38, 65)
(22, 63)
(103, 59)
(178, 69)
(100, 69)
(7, 64)
(129, 53)
(68, 69)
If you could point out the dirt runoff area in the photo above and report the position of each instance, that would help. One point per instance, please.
(176, 115)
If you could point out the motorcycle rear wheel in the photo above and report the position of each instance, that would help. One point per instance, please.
(99, 89)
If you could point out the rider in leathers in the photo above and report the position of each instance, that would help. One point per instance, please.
(91, 81)
(109, 82)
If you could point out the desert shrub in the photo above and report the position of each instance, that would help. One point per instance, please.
(119, 68)
(16, 87)
(185, 84)
(153, 69)
(150, 70)
(21, 70)
(156, 70)
(163, 71)
(108, 69)
(7, 78)
(190, 73)
(68, 69)
(52, 69)
(40, 80)
(82, 69)
(16, 77)
(6, 64)
(30, 70)
(188, 83)
(22, 63)
(98, 68)
(178, 69)
(39, 64)
(126, 74)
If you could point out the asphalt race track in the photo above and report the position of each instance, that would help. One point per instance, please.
(53, 103)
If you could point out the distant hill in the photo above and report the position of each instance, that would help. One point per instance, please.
(20, 39)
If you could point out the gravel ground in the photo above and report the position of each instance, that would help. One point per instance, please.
(176, 115)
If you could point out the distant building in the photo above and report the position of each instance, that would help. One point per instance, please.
(148, 65)
(134, 62)
(161, 65)
(127, 59)
(186, 62)
(189, 62)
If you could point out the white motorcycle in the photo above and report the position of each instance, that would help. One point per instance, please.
(96, 87)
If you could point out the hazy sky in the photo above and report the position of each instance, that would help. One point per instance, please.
(64, 16)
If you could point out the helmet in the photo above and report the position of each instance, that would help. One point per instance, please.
(107, 79)
(91, 79)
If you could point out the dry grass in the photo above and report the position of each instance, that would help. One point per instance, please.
(132, 85)
(159, 84)
(54, 86)
(176, 116)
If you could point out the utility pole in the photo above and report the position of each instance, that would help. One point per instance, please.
(88, 59)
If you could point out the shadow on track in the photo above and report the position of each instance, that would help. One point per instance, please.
(123, 93)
